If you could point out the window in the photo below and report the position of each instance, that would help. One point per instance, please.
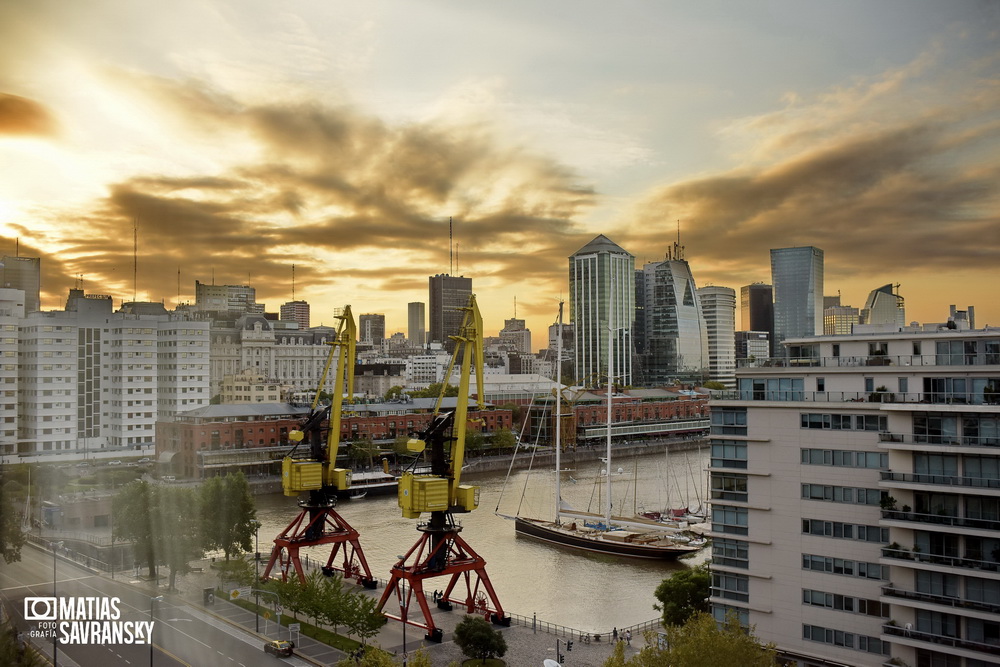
(846, 639)
(847, 531)
(729, 454)
(729, 421)
(836, 349)
(729, 486)
(729, 519)
(903, 385)
(734, 553)
(731, 586)
(869, 384)
(842, 566)
(841, 494)
(820, 384)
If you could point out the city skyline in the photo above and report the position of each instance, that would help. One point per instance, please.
(341, 139)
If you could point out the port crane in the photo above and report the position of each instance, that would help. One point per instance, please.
(313, 470)
(440, 551)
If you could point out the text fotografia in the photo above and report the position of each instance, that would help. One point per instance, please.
(84, 620)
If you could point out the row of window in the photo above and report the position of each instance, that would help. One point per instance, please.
(840, 422)
(845, 458)
(847, 531)
(731, 586)
(848, 568)
(731, 553)
(845, 603)
(842, 494)
(846, 639)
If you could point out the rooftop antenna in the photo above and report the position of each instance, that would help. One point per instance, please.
(451, 249)
(213, 275)
(515, 306)
(678, 250)
(135, 257)
(293, 282)
(178, 302)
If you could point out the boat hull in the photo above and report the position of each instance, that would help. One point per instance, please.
(543, 530)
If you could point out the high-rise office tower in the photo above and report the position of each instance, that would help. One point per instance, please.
(226, 298)
(371, 328)
(23, 273)
(448, 295)
(674, 342)
(718, 305)
(296, 311)
(797, 276)
(757, 309)
(884, 306)
(601, 282)
(839, 320)
(516, 334)
(415, 323)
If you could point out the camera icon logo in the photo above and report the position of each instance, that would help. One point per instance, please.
(41, 608)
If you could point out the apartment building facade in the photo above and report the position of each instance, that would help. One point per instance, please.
(855, 504)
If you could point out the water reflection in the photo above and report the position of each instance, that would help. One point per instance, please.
(573, 588)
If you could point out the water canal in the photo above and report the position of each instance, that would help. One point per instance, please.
(571, 588)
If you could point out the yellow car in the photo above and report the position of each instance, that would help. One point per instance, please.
(279, 647)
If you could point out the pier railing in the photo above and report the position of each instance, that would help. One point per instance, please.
(540, 625)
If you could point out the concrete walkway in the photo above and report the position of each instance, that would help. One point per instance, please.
(524, 646)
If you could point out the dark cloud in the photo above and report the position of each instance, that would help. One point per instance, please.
(21, 116)
(893, 199)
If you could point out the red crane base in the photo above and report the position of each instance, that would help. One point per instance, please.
(454, 558)
(324, 527)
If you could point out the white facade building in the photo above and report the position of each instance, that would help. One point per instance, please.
(718, 306)
(855, 504)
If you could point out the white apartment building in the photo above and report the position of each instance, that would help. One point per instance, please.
(11, 312)
(855, 503)
(183, 366)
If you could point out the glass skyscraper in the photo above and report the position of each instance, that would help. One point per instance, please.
(602, 280)
(797, 279)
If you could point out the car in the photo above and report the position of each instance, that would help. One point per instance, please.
(114, 463)
(279, 647)
(144, 459)
(168, 478)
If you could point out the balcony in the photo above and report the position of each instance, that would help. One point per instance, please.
(945, 440)
(942, 520)
(943, 480)
(938, 559)
(941, 640)
(870, 360)
(924, 397)
(945, 600)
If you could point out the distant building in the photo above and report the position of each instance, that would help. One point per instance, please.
(448, 295)
(753, 345)
(296, 311)
(416, 327)
(797, 276)
(11, 314)
(25, 274)
(226, 298)
(839, 320)
(718, 306)
(757, 309)
(675, 337)
(884, 306)
(371, 329)
(601, 282)
(251, 387)
(517, 335)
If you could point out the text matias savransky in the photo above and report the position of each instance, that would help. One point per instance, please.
(85, 620)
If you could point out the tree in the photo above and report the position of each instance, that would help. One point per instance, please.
(176, 533)
(700, 642)
(363, 617)
(684, 594)
(394, 392)
(228, 514)
(13, 651)
(478, 639)
(132, 509)
(504, 439)
(11, 535)
(713, 384)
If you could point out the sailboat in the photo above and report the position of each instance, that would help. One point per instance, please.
(612, 535)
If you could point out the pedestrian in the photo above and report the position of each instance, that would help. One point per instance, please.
(628, 637)
(614, 634)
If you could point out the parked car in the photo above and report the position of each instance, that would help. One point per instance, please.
(279, 647)
(169, 478)
(114, 463)
(144, 459)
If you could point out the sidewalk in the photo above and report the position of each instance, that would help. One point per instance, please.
(524, 646)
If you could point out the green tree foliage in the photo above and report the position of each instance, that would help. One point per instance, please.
(516, 413)
(713, 384)
(433, 391)
(700, 643)
(162, 524)
(363, 617)
(363, 452)
(478, 640)
(240, 571)
(399, 445)
(504, 439)
(131, 510)
(227, 512)
(684, 594)
(394, 392)
(15, 653)
(12, 496)
(177, 536)
(290, 593)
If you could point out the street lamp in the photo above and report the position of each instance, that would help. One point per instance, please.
(256, 576)
(158, 598)
(55, 546)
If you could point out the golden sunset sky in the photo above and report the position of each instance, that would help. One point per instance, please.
(241, 137)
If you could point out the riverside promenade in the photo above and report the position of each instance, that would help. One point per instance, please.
(526, 645)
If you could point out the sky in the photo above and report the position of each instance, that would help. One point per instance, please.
(146, 145)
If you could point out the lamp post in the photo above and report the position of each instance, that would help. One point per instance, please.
(256, 576)
(403, 605)
(152, 601)
(55, 646)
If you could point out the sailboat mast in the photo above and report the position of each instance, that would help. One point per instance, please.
(559, 329)
(611, 373)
